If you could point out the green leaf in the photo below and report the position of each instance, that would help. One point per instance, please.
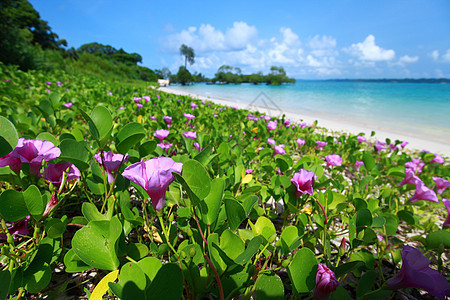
(102, 287)
(302, 271)
(347, 267)
(363, 219)
(8, 136)
(197, 179)
(5, 280)
(12, 206)
(437, 238)
(365, 283)
(147, 148)
(378, 222)
(167, 284)
(73, 263)
(137, 251)
(231, 244)
(95, 244)
(92, 127)
(91, 213)
(39, 279)
(130, 134)
(46, 136)
(269, 287)
(369, 161)
(252, 248)
(102, 119)
(132, 282)
(264, 228)
(235, 213)
(34, 202)
(211, 204)
(54, 228)
(290, 239)
(74, 152)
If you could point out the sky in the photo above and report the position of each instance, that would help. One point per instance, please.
(310, 39)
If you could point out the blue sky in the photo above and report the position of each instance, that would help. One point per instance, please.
(310, 39)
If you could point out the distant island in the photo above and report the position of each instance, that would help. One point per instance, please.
(404, 80)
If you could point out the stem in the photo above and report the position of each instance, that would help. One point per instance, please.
(166, 234)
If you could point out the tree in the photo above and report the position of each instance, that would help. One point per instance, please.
(183, 76)
(188, 54)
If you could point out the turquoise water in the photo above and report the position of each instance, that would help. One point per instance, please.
(419, 108)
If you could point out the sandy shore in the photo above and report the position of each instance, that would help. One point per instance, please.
(334, 125)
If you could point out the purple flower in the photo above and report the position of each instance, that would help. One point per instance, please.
(380, 146)
(249, 171)
(441, 184)
(17, 228)
(302, 125)
(279, 149)
(193, 105)
(303, 181)
(146, 98)
(415, 272)
(326, 282)
(164, 146)
(287, 123)
(197, 146)
(139, 105)
(358, 164)
(161, 134)
(404, 143)
(68, 104)
(188, 117)
(50, 204)
(155, 176)
(110, 93)
(270, 141)
(416, 165)
(266, 118)
(437, 159)
(333, 160)
(447, 206)
(410, 178)
(423, 193)
(392, 147)
(300, 142)
(121, 107)
(361, 139)
(168, 120)
(157, 96)
(48, 82)
(31, 152)
(272, 125)
(320, 145)
(190, 135)
(59, 83)
(137, 99)
(47, 90)
(111, 162)
(55, 172)
(153, 118)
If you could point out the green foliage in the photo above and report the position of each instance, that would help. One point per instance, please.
(183, 76)
(188, 53)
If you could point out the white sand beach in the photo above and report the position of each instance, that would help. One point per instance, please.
(337, 125)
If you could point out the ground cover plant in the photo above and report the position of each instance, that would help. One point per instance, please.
(123, 191)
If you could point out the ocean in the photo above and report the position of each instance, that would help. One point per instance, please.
(405, 108)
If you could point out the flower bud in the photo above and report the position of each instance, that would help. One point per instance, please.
(326, 282)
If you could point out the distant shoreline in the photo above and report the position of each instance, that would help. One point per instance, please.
(394, 80)
(336, 125)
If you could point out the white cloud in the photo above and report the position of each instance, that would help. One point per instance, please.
(435, 55)
(240, 35)
(369, 51)
(406, 59)
(446, 56)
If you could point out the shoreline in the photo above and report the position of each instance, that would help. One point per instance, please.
(332, 124)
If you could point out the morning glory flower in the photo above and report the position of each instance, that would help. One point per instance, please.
(154, 176)
(68, 104)
(447, 206)
(423, 193)
(111, 162)
(190, 135)
(358, 164)
(161, 134)
(300, 142)
(303, 181)
(326, 282)
(17, 228)
(333, 160)
(279, 149)
(54, 173)
(164, 146)
(168, 120)
(320, 145)
(416, 165)
(270, 141)
(188, 117)
(193, 105)
(437, 159)
(441, 184)
(272, 125)
(410, 178)
(361, 139)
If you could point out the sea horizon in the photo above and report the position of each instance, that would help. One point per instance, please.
(418, 109)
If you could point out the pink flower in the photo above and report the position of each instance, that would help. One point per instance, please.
(272, 125)
(168, 120)
(415, 272)
(358, 164)
(111, 162)
(249, 171)
(303, 181)
(146, 98)
(302, 125)
(122, 107)
(31, 152)
(190, 135)
(287, 123)
(441, 184)
(392, 147)
(17, 228)
(193, 105)
(161, 134)
(188, 117)
(410, 178)
(320, 145)
(59, 83)
(270, 141)
(416, 165)
(68, 104)
(55, 172)
(423, 193)
(197, 146)
(137, 99)
(447, 206)
(380, 146)
(404, 143)
(153, 118)
(48, 82)
(326, 282)
(300, 142)
(333, 160)
(50, 204)
(139, 105)
(279, 149)
(361, 139)
(155, 176)
(164, 146)
(437, 159)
